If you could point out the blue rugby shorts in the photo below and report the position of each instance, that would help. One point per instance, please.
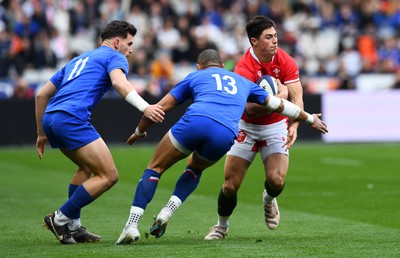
(64, 130)
(203, 135)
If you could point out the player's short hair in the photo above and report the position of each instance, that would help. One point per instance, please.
(117, 28)
(257, 25)
(209, 57)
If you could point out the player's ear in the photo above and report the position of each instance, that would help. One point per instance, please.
(253, 41)
(117, 43)
(198, 67)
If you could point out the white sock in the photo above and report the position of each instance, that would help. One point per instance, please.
(135, 214)
(74, 224)
(173, 203)
(223, 221)
(169, 209)
(267, 198)
(60, 218)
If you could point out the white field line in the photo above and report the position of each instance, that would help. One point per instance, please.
(342, 162)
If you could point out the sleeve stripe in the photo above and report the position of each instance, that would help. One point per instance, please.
(292, 81)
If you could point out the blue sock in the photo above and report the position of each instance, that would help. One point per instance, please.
(71, 190)
(80, 198)
(146, 188)
(187, 183)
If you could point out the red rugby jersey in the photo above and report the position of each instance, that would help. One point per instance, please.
(282, 67)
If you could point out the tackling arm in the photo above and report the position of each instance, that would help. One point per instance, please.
(167, 103)
(294, 112)
(127, 91)
(256, 110)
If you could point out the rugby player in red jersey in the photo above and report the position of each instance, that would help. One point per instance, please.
(269, 134)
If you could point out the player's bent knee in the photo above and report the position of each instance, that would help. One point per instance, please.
(114, 178)
(111, 179)
(277, 183)
(229, 189)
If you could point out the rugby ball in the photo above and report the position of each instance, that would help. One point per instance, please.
(269, 84)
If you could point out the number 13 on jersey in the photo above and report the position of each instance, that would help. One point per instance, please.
(231, 88)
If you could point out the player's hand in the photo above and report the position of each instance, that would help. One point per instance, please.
(291, 138)
(40, 143)
(155, 113)
(283, 91)
(134, 137)
(318, 124)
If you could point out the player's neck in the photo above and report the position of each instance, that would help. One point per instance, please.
(262, 57)
(106, 43)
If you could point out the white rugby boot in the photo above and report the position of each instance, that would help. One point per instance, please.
(216, 232)
(271, 213)
(129, 235)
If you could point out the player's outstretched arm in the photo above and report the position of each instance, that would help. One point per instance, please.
(253, 110)
(167, 103)
(294, 112)
(127, 91)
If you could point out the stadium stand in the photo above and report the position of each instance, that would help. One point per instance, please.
(334, 42)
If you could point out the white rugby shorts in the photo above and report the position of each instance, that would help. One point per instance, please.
(266, 139)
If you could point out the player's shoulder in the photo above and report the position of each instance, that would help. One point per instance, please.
(97, 53)
(104, 52)
(283, 57)
(236, 75)
(111, 58)
(246, 59)
(246, 66)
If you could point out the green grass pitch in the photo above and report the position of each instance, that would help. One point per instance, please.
(340, 200)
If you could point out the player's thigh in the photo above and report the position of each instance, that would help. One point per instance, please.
(240, 157)
(199, 163)
(274, 155)
(245, 145)
(166, 154)
(276, 166)
(274, 137)
(235, 170)
(94, 156)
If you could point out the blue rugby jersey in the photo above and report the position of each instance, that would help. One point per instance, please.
(218, 94)
(83, 81)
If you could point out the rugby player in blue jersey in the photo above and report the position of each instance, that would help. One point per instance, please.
(63, 109)
(207, 130)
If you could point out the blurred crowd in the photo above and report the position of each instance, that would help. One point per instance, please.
(338, 38)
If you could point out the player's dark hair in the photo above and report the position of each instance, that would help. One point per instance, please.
(257, 25)
(117, 28)
(209, 57)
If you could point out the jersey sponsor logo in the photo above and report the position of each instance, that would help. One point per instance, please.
(241, 136)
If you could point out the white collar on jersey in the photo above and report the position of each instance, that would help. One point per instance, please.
(255, 57)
